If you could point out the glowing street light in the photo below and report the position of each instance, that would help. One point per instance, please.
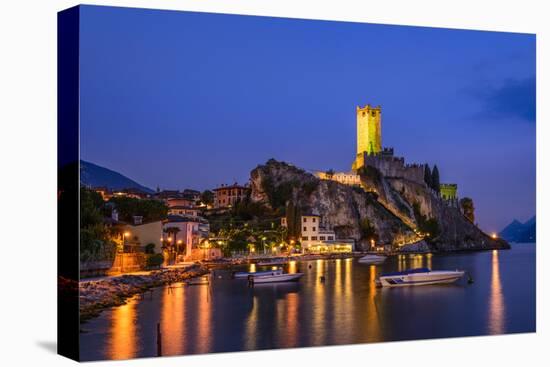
(494, 236)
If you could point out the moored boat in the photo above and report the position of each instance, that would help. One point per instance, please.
(276, 278)
(372, 259)
(273, 262)
(198, 281)
(420, 276)
(246, 274)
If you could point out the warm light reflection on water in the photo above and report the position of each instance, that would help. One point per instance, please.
(292, 267)
(123, 342)
(204, 320)
(251, 326)
(372, 320)
(345, 308)
(496, 299)
(319, 311)
(172, 320)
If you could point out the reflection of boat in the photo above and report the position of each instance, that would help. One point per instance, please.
(372, 259)
(276, 278)
(420, 276)
(273, 262)
(246, 274)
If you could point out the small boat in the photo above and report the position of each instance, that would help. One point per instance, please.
(246, 274)
(276, 278)
(273, 262)
(198, 281)
(420, 276)
(372, 259)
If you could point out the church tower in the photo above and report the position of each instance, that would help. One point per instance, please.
(369, 132)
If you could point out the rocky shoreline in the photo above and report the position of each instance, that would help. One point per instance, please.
(97, 295)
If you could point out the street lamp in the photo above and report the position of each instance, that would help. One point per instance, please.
(178, 243)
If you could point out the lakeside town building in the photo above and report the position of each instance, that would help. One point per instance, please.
(186, 234)
(226, 196)
(316, 237)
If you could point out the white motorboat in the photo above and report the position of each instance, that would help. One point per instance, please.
(246, 274)
(421, 276)
(276, 278)
(372, 259)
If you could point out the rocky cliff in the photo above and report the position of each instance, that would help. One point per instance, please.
(387, 204)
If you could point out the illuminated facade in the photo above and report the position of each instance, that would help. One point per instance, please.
(369, 133)
(346, 178)
(226, 196)
(448, 191)
(317, 238)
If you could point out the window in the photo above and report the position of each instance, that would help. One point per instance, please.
(304, 238)
(314, 238)
(313, 229)
(322, 238)
(305, 219)
(313, 220)
(331, 238)
(305, 229)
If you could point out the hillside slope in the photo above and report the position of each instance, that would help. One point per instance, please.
(388, 206)
(97, 176)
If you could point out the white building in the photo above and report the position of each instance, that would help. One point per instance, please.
(317, 238)
(346, 178)
(188, 236)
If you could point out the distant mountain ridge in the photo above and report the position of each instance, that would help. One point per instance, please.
(520, 232)
(96, 176)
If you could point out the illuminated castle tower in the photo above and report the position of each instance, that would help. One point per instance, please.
(369, 133)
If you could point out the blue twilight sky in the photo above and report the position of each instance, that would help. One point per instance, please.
(192, 100)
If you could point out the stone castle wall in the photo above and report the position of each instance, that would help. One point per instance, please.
(395, 167)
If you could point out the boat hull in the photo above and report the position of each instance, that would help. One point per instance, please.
(246, 275)
(372, 259)
(418, 279)
(276, 278)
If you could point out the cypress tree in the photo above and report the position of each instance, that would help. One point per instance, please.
(435, 179)
(428, 175)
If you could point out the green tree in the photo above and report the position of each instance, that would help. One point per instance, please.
(368, 231)
(173, 244)
(150, 210)
(150, 248)
(435, 179)
(467, 207)
(293, 221)
(95, 242)
(428, 175)
(429, 226)
(207, 197)
(154, 260)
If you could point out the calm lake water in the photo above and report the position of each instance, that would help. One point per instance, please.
(347, 308)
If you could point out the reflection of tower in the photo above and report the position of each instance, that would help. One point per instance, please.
(369, 129)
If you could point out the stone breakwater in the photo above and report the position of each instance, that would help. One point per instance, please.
(95, 296)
